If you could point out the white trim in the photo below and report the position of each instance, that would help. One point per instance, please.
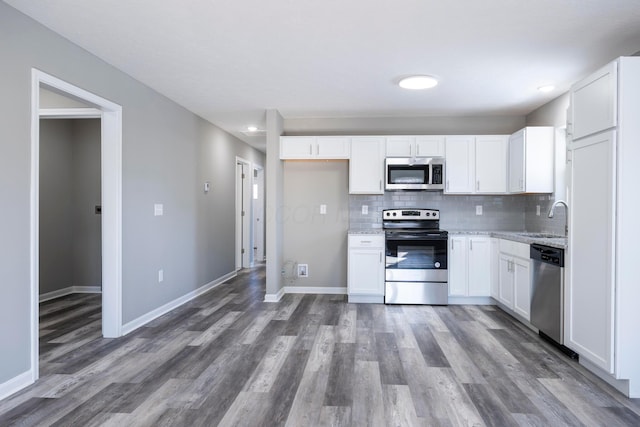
(70, 113)
(325, 290)
(367, 299)
(70, 290)
(623, 386)
(111, 167)
(16, 383)
(471, 301)
(274, 297)
(243, 228)
(154, 314)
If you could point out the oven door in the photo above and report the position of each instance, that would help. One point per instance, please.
(416, 257)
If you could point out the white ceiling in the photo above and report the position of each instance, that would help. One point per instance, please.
(230, 60)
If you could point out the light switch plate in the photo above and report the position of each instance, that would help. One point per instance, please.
(323, 209)
(365, 210)
(158, 209)
(478, 209)
(160, 276)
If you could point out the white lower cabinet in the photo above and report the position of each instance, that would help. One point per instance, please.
(515, 277)
(470, 266)
(366, 268)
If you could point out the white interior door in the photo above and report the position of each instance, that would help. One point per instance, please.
(243, 214)
(258, 215)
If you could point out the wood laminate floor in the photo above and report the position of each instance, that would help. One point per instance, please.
(228, 358)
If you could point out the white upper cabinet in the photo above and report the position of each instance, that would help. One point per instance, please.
(315, 147)
(459, 164)
(491, 164)
(366, 167)
(476, 164)
(594, 102)
(415, 146)
(531, 160)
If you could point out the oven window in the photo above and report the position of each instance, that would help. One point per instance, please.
(408, 174)
(410, 255)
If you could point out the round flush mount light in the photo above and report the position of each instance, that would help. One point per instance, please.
(546, 88)
(252, 128)
(418, 82)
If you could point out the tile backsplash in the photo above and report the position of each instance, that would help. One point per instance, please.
(499, 213)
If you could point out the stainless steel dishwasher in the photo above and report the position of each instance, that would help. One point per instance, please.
(547, 291)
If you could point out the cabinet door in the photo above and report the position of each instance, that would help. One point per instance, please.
(400, 146)
(522, 287)
(506, 281)
(589, 324)
(516, 162)
(333, 147)
(430, 146)
(594, 101)
(297, 147)
(491, 164)
(366, 272)
(459, 158)
(366, 166)
(457, 265)
(479, 276)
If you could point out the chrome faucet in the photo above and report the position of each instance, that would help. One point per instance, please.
(551, 211)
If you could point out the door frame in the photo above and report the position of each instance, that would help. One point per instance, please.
(111, 187)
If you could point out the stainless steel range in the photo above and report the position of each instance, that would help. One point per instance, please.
(416, 257)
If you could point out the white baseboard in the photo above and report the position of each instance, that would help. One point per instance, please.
(70, 290)
(274, 297)
(315, 290)
(146, 318)
(623, 386)
(16, 384)
(471, 301)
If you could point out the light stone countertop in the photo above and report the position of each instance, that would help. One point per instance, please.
(516, 236)
(520, 236)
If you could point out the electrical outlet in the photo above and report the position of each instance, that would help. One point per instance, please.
(478, 209)
(158, 209)
(538, 210)
(160, 276)
(365, 210)
(303, 270)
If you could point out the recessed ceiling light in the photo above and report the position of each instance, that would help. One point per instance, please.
(546, 88)
(418, 82)
(252, 128)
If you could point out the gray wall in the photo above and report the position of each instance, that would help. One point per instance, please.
(309, 237)
(56, 205)
(70, 231)
(167, 153)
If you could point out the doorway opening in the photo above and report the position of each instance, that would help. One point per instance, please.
(110, 207)
(250, 227)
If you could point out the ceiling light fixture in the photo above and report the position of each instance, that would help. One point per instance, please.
(546, 88)
(252, 128)
(418, 82)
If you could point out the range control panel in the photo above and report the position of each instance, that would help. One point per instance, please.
(399, 214)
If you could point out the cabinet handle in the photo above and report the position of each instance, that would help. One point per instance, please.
(447, 185)
(452, 244)
(318, 149)
(410, 151)
(470, 245)
(417, 150)
(522, 184)
(380, 254)
(380, 185)
(478, 185)
(310, 150)
(365, 241)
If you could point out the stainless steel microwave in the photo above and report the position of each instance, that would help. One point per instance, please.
(414, 173)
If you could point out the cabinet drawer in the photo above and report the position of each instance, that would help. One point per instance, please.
(366, 241)
(518, 249)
